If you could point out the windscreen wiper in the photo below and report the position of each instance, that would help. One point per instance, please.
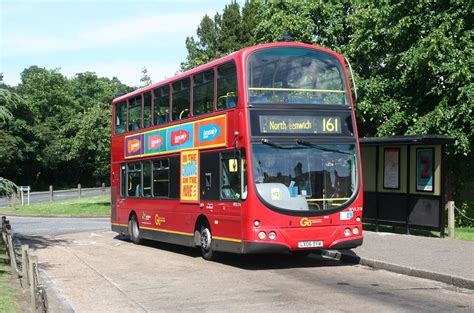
(265, 141)
(309, 144)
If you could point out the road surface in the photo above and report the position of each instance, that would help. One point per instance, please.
(100, 271)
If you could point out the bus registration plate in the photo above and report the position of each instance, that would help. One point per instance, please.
(310, 244)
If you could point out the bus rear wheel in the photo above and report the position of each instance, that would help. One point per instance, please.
(134, 229)
(206, 243)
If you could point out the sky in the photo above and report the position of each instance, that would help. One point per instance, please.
(108, 37)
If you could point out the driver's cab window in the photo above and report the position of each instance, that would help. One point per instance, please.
(231, 178)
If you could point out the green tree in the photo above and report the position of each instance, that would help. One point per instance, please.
(324, 23)
(60, 133)
(91, 142)
(224, 34)
(145, 79)
(11, 149)
(281, 17)
(415, 65)
(7, 187)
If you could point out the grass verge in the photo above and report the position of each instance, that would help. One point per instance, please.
(461, 233)
(7, 291)
(464, 233)
(94, 206)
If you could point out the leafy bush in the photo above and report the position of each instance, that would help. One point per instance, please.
(466, 219)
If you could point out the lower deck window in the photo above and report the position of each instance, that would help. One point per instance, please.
(230, 170)
(147, 179)
(134, 179)
(161, 178)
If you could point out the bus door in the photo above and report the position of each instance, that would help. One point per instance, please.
(221, 192)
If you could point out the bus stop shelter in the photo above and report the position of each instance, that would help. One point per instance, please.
(404, 181)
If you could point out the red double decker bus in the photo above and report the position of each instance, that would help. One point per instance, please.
(254, 152)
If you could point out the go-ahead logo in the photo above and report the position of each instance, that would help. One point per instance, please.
(159, 220)
(306, 222)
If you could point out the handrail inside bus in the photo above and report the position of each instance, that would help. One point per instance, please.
(295, 89)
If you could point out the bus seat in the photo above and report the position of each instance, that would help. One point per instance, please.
(230, 102)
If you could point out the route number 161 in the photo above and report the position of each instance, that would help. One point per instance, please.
(331, 125)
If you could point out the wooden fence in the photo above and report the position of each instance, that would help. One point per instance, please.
(25, 266)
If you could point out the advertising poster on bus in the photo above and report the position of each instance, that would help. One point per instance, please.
(189, 180)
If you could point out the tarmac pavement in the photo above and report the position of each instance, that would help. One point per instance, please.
(446, 260)
(101, 272)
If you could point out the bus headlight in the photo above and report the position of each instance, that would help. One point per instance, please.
(355, 231)
(256, 223)
(272, 235)
(358, 219)
(347, 232)
(262, 235)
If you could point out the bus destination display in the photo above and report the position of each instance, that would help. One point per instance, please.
(300, 124)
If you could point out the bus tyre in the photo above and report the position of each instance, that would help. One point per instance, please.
(206, 243)
(134, 230)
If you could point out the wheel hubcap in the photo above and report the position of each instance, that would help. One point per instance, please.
(205, 239)
(135, 229)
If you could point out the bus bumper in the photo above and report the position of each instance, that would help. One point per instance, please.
(260, 247)
(347, 244)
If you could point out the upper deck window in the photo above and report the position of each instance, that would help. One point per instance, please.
(226, 86)
(292, 75)
(120, 117)
(161, 105)
(180, 99)
(203, 92)
(135, 113)
(147, 109)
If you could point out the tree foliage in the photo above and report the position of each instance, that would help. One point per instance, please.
(145, 79)
(222, 35)
(414, 60)
(58, 131)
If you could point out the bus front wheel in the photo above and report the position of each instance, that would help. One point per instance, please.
(134, 230)
(206, 243)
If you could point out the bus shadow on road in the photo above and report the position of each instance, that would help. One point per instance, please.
(278, 261)
(188, 251)
(250, 261)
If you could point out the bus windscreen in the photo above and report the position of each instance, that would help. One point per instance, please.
(290, 75)
(303, 177)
